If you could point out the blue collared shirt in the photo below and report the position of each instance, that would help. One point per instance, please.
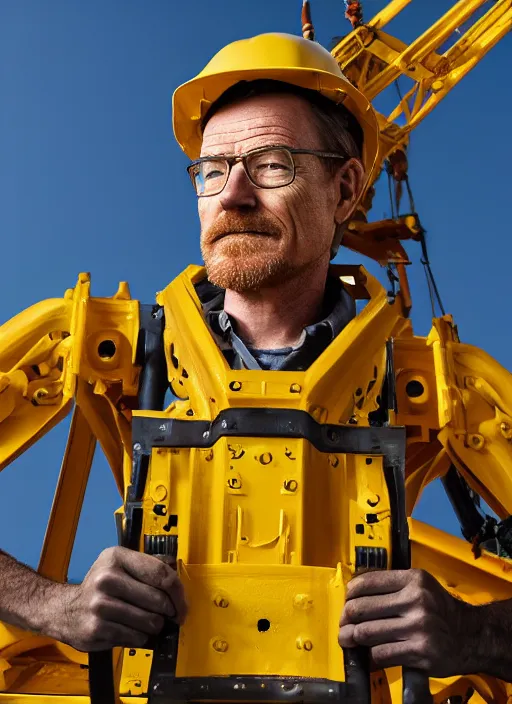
(338, 310)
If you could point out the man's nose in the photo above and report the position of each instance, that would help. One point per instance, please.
(238, 192)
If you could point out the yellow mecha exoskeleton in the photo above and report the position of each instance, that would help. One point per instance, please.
(271, 489)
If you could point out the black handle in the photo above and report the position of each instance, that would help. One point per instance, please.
(152, 388)
(416, 689)
(101, 677)
(357, 675)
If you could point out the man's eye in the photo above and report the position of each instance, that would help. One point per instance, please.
(213, 173)
(272, 166)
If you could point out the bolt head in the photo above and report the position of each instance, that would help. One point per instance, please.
(303, 644)
(302, 601)
(291, 485)
(220, 646)
(221, 601)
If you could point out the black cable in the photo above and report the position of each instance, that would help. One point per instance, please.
(391, 199)
(430, 291)
(430, 276)
(409, 191)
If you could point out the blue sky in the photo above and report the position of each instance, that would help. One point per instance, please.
(92, 180)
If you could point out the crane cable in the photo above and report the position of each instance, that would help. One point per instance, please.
(397, 170)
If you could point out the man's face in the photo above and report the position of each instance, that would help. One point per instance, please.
(253, 238)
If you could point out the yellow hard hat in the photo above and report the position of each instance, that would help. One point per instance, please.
(281, 57)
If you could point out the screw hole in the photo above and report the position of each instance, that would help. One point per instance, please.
(174, 359)
(414, 388)
(107, 349)
(263, 625)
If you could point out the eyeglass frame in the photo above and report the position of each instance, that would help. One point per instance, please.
(232, 160)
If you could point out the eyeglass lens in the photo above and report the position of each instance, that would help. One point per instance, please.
(271, 168)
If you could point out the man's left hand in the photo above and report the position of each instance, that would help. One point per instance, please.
(407, 618)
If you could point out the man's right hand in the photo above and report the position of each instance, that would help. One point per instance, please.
(124, 599)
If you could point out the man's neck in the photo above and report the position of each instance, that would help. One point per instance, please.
(273, 318)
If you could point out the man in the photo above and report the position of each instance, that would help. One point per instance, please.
(282, 167)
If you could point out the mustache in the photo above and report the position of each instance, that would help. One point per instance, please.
(236, 223)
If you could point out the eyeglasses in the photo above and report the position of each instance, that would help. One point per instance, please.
(266, 167)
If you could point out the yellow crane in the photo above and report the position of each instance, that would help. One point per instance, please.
(374, 60)
(454, 402)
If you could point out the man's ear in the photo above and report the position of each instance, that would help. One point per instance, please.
(350, 181)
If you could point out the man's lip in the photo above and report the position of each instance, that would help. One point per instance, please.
(241, 232)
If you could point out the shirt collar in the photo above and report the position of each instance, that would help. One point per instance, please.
(338, 310)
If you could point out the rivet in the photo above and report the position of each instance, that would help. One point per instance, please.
(220, 646)
(234, 483)
(333, 460)
(506, 430)
(235, 385)
(291, 485)
(295, 388)
(159, 492)
(333, 435)
(209, 456)
(266, 458)
(221, 601)
(304, 644)
(206, 434)
(302, 601)
(137, 447)
(224, 424)
(476, 441)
